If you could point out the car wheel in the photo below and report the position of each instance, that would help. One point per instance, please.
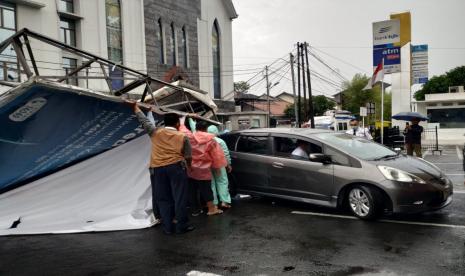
(363, 202)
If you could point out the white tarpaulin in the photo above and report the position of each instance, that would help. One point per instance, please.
(110, 191)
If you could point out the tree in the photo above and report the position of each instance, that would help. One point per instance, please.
(354, 97)
(320, 105)
(241, 86)
(441, 83)
(290, 111)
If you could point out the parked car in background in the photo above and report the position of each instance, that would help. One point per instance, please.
(340, 171)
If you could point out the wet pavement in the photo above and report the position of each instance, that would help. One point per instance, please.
(261, 236)
(450, 160)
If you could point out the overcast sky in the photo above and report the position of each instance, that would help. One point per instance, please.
(342, 30)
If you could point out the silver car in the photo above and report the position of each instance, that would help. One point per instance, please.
(340, 171)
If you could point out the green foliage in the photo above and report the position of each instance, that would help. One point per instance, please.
(241, 86)
(290, 111)
(354, 97)
(440, 84)
(320, 105)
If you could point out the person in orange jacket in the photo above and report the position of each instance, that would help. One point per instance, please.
(207, 156)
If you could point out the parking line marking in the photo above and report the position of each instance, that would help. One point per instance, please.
(459, 192)
(321, 215)
(455, 174)
(201, 273)
(381, 220)
(459, 154)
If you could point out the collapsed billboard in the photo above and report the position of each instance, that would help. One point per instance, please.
(45, 127)
(74, 159)
(71, 160)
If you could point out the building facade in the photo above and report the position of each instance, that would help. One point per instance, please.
(215, 47)
(171, 39)
(168, 39)
(112, 29)
(446, 111)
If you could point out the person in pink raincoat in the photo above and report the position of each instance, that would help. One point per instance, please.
(207, 156)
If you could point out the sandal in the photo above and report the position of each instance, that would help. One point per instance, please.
(216, 212)
(225, 206)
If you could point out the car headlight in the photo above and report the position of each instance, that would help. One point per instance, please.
(399, 175)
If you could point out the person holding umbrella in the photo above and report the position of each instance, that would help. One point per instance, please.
(413, 137)
(412, 132)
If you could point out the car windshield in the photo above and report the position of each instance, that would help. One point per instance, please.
(356, 146)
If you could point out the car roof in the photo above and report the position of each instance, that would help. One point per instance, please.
(295, 131)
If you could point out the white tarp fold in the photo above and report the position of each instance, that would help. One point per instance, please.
(110, 191)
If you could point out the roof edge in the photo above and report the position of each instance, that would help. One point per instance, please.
(230, 9)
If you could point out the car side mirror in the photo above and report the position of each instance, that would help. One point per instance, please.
(320, 158)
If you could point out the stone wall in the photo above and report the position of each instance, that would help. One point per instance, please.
(180, 13)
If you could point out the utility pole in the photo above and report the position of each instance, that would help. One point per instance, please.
(268, 95)
(304, 85)
(310, 98)
(298, 84)
(291, 58)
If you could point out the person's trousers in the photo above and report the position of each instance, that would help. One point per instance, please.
(414, 148)
(220, 187)
(200, 193)
(169, 187)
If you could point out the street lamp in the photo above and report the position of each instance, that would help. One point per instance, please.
(269, 86)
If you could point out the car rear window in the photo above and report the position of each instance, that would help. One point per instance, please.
(230, 140)
(253, 144)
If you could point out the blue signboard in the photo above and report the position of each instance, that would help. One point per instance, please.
(391, 59)
(419, 64)
(45, 128)
(420, 48)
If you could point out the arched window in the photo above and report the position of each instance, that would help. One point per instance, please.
(173, 45)
(216, 51)
(161, 42)
(114, 41)
(185, 54)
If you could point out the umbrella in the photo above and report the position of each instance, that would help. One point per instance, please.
(408, 116)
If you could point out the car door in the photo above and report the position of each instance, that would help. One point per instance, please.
(346, 169)
(251, 161)
(296, 177)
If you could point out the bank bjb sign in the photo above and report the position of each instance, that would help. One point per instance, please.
(386, 44)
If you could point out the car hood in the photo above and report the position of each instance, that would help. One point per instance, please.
(413, 166)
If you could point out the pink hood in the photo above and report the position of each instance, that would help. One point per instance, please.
(206, 154)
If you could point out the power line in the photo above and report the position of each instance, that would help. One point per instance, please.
(327, 66)
(341, 60)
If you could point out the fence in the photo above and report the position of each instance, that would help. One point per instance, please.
(429, 140)
(394, 139)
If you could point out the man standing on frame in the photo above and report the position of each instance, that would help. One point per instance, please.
(170, 157)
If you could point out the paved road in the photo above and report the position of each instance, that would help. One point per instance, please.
(451, 162)
(261, 237)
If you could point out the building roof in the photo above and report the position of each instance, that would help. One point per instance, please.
(284, 93)
(246, 97)
(230, 9)
(245, 113)
(277, 106)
